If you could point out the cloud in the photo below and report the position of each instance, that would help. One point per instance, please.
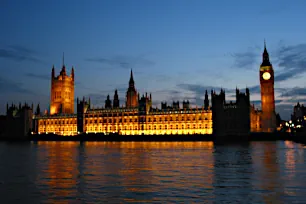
(293, 101)
(18, 53)
(291, 61)
(121, 61)
(199, 89)
(162, 78)
(258, 102)
(254, 89)
(38, 76)
(8, 87)
(245, 59)
(285, 110)
(294, 92)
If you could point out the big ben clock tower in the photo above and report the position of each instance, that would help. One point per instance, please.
(266, 75)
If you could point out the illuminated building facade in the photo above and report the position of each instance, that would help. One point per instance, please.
(62, 92)
(139, 117)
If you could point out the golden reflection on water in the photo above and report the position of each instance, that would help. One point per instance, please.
(166, 171)
(139, 169)
(152, 145)
(271, 176)
(290, 157)
(59, 169)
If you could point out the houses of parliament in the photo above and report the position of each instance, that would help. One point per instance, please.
(138, 117)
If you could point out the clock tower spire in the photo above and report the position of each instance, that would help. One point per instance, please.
(266, 76)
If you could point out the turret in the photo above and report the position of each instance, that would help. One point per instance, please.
(53, 73)
(37, 110)
(131, 81)
(116, 100)
(108, 102)
(63, 71)
(72, 73)
(131, 94)
(206, 101)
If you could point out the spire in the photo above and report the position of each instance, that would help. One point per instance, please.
(53, 72)
(63, 72)
(265, 56)
(37, 110)
(131, 82)
(72, 72)
(206, 101)
(63, 59)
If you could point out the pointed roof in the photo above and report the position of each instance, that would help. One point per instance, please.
(131, 78)
(265, 48)
(63, 59)
(265, 56)
(63, 71)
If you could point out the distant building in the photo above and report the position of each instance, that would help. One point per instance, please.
(298, 116)
(17, 122)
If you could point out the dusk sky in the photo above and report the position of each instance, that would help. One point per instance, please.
(177, 49)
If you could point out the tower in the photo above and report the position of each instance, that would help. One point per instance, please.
(82, 107)
(62, 92)
(108, 102)
(206, 101)
(131, 94)
(266, 76)
(116, 103)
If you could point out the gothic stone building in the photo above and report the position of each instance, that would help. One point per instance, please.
(139, 117)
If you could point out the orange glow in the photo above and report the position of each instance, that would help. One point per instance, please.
(62, 94)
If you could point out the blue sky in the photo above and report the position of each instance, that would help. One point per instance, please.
(177, 49)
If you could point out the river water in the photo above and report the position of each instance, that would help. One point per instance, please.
(161, 172)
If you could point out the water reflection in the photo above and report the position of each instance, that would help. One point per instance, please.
(268, 176)
(58, 170)
(146, 172)
(232, 173)
(100, 172)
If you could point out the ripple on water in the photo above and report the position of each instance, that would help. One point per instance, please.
(262, 172)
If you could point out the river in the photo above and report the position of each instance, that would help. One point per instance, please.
(161, 172)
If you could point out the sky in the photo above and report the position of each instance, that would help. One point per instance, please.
(177, 49)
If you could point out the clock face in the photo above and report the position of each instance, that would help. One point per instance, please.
(266, 76)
